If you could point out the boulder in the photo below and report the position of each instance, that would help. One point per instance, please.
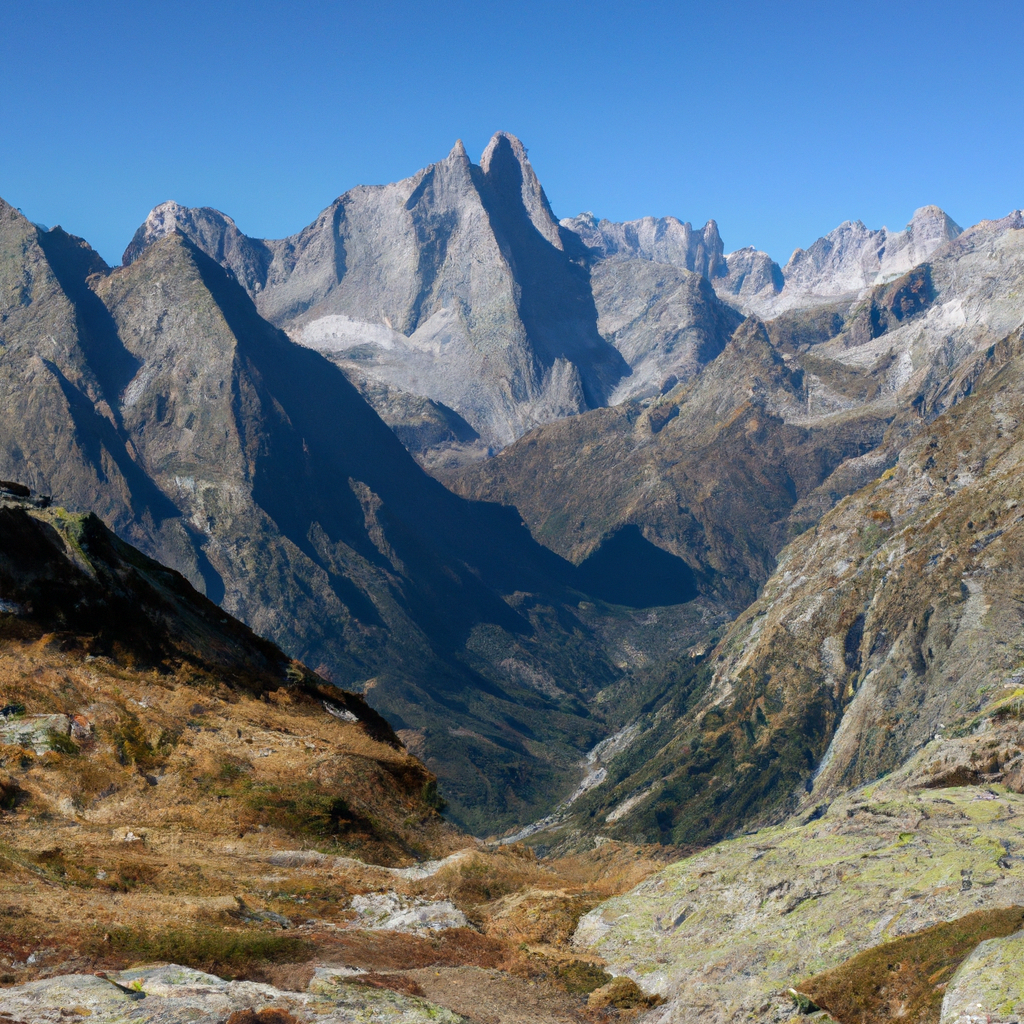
(989, 986)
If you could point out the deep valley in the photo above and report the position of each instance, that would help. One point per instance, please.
(455, 612)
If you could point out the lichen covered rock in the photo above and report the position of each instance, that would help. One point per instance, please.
(171, 994)
(723, 933)
(989, 987)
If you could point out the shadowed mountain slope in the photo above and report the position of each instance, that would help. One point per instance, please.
(85, 616)
(711, 472)
(892, 622)
(158, 394)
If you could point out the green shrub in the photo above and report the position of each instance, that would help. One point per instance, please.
(217, 950)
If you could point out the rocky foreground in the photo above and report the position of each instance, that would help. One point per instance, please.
(726, 934)
(169, 994)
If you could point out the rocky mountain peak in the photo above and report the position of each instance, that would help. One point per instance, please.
(852, 257)
(508, 171)
(845, 263)
(929, 228)
(209, 229)
(162, 220)
(459, 152)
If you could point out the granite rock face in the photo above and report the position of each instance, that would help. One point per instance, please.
(667, 330)
(852, 258)
(752, 278)
(657, 240)
(667, 323)
(845, 263)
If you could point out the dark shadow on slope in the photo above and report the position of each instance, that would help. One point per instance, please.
(98, 438)
(320, 434)
(72, 261)
(628, 569)
(556, 303)
(458, 555)
(124, 602)
(103, 444)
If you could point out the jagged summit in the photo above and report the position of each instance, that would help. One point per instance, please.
(509, 172)
(468, 314)
(451, 287)
(659, 239)
(459, 151)
(852, 257)
(845, 263)
(202, 222)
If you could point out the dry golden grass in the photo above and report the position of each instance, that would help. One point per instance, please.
(208, 781)
(152, 834)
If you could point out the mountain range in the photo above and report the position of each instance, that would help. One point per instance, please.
(467, 314)
(662, 417)
(622, 537)
(157, 396)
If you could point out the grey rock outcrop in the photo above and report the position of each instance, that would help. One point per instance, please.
(722, 934)
(666, 321)
(649, 279)
(852, 258)
(988, 988)
(660, 240)
(752, 277)
(845, 263)
(170, 994)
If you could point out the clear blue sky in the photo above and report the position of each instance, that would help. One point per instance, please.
(778, 119)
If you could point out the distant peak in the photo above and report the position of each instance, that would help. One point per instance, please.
(498, 139)
(168, 208)
(710, 231)
(458, 151)
(507, 169)
(171, 213)
(934, 215)
(168, 217)
(582, 220)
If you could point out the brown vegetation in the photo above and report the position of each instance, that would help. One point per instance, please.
(157, 828)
